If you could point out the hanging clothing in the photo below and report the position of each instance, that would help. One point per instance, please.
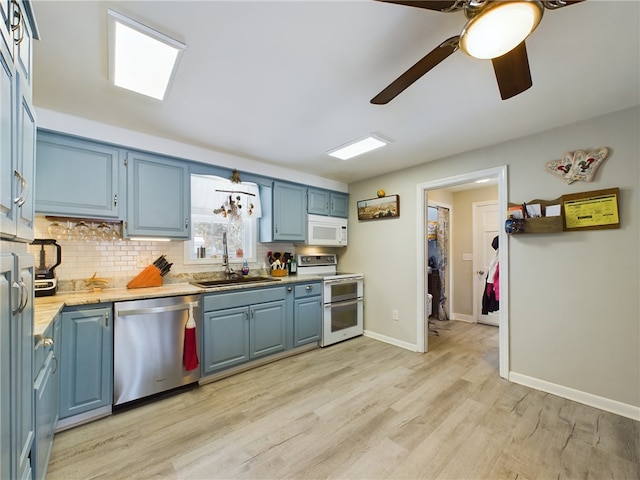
(491, 296)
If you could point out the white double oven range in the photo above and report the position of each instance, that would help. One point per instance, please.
(342, 297)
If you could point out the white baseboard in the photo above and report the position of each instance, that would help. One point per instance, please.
(392, 341)
(606, 404)
(462, 317)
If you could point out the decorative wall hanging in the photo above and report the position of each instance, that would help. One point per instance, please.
(578, 165)
(382, 207)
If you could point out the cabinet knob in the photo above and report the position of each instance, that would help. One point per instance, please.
(480, 272)
(47, 341)
(309, 287)
(289, 289)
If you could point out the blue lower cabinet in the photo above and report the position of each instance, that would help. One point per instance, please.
(86, 363)
(267, 328)
(226, 339)
(307, 313)
(243, 325)
(45, 386)
(307, 321)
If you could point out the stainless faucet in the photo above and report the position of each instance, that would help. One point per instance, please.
(225, 255)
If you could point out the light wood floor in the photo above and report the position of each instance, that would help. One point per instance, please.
(360, 410)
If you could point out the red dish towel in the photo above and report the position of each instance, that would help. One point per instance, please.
(190, 352)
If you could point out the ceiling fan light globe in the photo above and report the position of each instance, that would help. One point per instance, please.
(499, 28)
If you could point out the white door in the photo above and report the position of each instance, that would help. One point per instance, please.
(485, 229)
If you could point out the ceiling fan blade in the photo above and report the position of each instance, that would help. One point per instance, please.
(426, 63)
(440, 6)
(512, 72)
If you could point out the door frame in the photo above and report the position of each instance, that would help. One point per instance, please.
(500, 173)
(449, 280)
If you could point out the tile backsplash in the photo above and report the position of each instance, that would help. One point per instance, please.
(121, 260)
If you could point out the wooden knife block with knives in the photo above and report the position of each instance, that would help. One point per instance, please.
(152, 275)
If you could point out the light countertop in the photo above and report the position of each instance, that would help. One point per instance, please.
(46, 308)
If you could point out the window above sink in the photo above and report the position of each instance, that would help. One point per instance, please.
(211, 198)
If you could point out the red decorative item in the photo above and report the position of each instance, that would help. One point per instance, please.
(190, 352)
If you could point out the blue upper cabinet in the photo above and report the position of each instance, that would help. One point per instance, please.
(77, 177)
(325, 202)
(158, 196)
(23, 34)
(8, 98)
(339, 205)
(17, 146)
(318, 201)
(284, 213)
(5, 35)
(26, 161)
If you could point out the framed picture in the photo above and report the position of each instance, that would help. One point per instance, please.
(377, 208)
(432, 230)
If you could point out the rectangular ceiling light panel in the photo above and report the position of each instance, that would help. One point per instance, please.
(141, 58)
(358, 147)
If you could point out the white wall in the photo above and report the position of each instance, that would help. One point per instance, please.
(574, 303)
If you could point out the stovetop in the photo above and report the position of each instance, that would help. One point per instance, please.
(323, 264)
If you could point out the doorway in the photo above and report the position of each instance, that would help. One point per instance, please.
(500, 175)
(485, 228)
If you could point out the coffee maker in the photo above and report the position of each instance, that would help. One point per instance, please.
(48, 257)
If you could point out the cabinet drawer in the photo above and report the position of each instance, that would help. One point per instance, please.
(308, 289)
(240, 298)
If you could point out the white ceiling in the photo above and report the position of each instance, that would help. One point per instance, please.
(283, 82)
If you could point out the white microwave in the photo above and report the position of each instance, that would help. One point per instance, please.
(326, 231)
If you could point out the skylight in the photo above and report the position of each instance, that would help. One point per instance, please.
(358, 147)
(141, 59)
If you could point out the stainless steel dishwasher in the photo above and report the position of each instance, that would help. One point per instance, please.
(148, 347)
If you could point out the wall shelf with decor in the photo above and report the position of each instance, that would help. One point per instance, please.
(594, 210)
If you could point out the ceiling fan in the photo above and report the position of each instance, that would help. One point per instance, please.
(478, 38)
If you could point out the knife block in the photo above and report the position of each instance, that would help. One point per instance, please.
(149, 277)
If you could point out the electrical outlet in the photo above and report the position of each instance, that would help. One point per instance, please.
(394, 315)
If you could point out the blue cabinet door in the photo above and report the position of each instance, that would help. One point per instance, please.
(226, 339)
(268, 328)
(7, 304)
(45, 386)
(5, 36)
(22, 367)
(158, 202)
(325, 202)
(8, 98)
(307, 321)
(86, 363)
(77, 177)
(318, 201)
(46, 414)
(339, 205)
(16, 365)
(289, 212)
(26, 161)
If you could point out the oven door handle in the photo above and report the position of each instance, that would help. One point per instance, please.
(343, 280)
(344, 304)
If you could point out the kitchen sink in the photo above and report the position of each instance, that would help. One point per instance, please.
(233, 281)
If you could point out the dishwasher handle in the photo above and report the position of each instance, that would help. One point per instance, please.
(148, 310)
